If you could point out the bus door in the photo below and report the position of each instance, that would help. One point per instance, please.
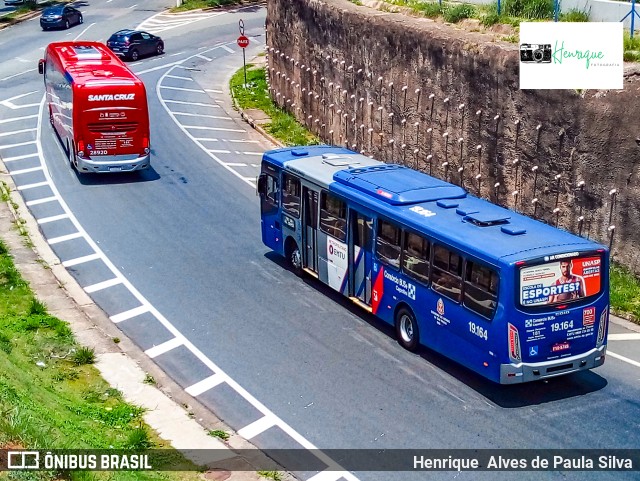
(269, 209)
(360, 256)
(310, 228)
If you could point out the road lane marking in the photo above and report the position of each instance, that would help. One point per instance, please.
(217, 117)
(20, 144)
(257, 427)
(44, 200)
(18, 74)
(103, 285)
(635, 336)
(182, 102)
(625, 359)
(80, 34)
(19, 157)
(25, 171)
(21, 131)
(32, 186)
(53, 218)
(228, 49)
(80, 260)
(221, 129)
(180, 78)
(123, 316)
(156, 351)
(204, 385)
(14, 119)
(182, 89)
(204, 57)
(64, 238)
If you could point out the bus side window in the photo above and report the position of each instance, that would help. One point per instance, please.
(415, 259)
(333, 216)
(291, 195)
(480, 289)
(446, 273)
(388, 243)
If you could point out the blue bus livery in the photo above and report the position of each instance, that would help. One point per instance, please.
(507, 296)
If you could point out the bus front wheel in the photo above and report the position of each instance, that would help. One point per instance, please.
(407, 329)
(294, 257)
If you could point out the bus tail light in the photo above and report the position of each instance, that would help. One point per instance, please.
(514, 343)
(80, 148)
(604, 320)
(145, 145)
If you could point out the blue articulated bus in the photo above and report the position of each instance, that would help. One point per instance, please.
(507, 296)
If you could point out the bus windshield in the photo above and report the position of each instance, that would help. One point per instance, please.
(561, 281)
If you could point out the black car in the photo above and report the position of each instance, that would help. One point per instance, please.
(60, 16)
(133, 44)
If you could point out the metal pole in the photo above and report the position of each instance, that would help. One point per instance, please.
(244, 65)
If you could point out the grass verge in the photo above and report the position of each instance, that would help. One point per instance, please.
(255, 95)
(198, 4)
(625, 293)
(52, 397)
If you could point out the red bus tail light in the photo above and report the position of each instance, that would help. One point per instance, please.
(145, 144)
(80, 148)
(514, 343)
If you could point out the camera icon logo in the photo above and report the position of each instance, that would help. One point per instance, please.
(535, 53)
(23, 460)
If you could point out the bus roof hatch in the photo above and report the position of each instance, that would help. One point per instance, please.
(398, 185)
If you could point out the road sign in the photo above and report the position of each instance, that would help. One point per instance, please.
(243, 42)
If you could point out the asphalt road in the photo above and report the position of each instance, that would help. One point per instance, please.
(174, 256)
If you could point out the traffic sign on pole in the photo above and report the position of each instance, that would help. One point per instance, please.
(243, 42)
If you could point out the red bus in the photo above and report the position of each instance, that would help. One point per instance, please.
(97, 106)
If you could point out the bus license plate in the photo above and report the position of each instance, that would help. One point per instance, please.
(115, 169)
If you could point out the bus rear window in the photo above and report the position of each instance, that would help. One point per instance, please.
(560, 282)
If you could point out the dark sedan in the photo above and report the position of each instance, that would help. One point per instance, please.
(60, 16)
(133, 44)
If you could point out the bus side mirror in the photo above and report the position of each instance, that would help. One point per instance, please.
(41, 64)
(262, 184)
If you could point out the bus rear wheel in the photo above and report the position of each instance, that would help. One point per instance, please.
(407, 329)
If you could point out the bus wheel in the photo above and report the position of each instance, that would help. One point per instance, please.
(294, 258)
(71, 152)
(407, 329)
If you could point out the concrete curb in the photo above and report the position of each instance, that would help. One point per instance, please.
(21, 18)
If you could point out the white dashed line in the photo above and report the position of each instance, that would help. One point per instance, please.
(180, 78)
(103, 285)
(182, 102)
(80, 260)
(156, 351)
(64, 238)
(222, 129)
(257, 427)
(217, 117)
(204, 385)
(32, 186)
(635, 336)
(19, 157)
(181, 89)
(53, 218)
(123, 316)
(44, 200)
(228, 49)
(25, 171)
